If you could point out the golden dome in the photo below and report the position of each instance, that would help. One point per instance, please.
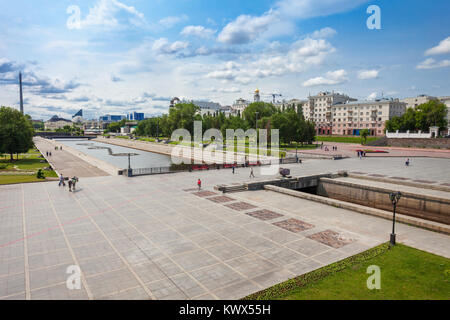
(257, 91)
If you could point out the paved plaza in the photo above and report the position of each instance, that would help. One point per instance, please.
(158, 237)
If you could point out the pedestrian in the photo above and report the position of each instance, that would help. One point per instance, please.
(50, 154)
(60, 148)
(199, 184)
(321, 146)
(252, 175)
(74, 182)
(70, 185)
(233, 168)
(61, 181)
(407, 162)
(47, 153)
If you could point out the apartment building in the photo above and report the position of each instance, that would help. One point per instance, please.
(352, 117)
(319, 110)
(415, 101)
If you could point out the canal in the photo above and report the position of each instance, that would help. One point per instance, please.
(115, 155)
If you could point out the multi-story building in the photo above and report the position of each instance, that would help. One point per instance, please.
(111, 118)
(293, 103)
(415, 101)
(319, 110)
(352, 117)
(56, 122)
(239, 106)
(135, 116)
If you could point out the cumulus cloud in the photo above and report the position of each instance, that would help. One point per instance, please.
(169, 22)
(324, 33)
(331, 78)
(302, 55)
(368, 74)
(105, 13)
(431, 63)
(116, 79)
(372, 96)
(245, 29)
(198, 31)
(163, 46)
(225, 90)
(442, 48)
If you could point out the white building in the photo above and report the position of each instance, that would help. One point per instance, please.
(239, 106)
(416, 101)
(318, 110)
(352, 117)
(446, 101)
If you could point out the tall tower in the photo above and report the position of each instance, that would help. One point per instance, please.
(21, 96)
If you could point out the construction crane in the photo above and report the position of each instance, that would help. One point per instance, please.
(273, 95)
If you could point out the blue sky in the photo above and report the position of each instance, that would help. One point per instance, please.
(134, 55)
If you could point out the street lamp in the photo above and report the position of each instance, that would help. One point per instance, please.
(130, 171)
(395, 198)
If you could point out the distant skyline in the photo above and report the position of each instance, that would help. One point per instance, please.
(118, 56)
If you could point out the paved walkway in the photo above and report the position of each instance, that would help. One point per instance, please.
(66, 163)
(155, 237)
(349, 150)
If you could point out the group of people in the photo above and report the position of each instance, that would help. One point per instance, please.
(252, 174)
(326, 147)
(49, 154)
(71, 182)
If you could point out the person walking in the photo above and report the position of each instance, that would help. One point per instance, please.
(61, 181)
(74, 182)
(70, 185)
(407, 162)
(233, 167)
(199, 184)
(252, 175)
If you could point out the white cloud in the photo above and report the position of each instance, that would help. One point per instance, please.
(324, 33)
(245, 29)
(372, 96)
(368, 74)
(430, 63)
(442, 48)
(104, 13)
(198, 31)
(169, 22)
(279, 19)
(163, 46)
(331, 78)
(225, 90)
(302, 55)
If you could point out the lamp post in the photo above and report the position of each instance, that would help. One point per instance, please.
(395, 198)
(130, 171)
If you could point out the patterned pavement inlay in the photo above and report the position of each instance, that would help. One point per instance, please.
(221, 199)
(294, 225)
(204, 194)
(240, 206)
(264, 215)
(377, 175)
(330, 238)
(190, 190)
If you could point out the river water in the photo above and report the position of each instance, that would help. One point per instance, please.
(106, 152)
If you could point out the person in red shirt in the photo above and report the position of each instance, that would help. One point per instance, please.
(199, 183)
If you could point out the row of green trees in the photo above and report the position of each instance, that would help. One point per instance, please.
(16, 132)
(291, 123)
(422, 117)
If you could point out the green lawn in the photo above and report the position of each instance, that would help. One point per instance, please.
(344, 139)
(28, 162)
(406, 274)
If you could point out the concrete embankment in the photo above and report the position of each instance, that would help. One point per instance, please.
(197, 154)
(72, 162)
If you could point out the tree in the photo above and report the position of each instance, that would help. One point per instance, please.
(264, 110)
(364, 134)
(422, 117)
(16, 132)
